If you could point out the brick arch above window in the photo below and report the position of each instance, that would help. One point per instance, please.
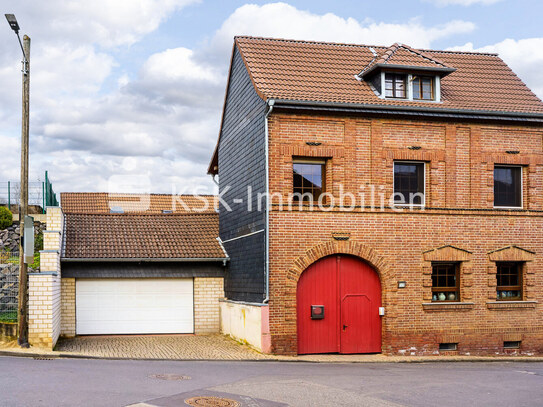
(447, 253)
(511, 253)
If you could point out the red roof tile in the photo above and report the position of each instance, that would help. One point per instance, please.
(325, 72)
(101, 202)
(125, 236)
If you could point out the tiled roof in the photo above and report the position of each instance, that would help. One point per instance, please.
(325, 72)
(101, 202)
(400, 54)
(124, 236)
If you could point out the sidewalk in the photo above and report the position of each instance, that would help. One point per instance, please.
(211, 347)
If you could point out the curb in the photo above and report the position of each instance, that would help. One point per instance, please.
(435, 359)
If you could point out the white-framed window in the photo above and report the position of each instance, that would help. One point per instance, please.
(411, 87)
(409, 183)
(395, 86)
(423, 87)
(508, 186)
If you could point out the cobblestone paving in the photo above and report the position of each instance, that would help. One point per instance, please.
(216, 347)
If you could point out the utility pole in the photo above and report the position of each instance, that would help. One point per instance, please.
(23, 277)
(22, 310)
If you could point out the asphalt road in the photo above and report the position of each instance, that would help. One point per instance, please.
(82, 382)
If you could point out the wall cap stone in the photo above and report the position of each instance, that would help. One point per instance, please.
(254, 304)
(44, 273)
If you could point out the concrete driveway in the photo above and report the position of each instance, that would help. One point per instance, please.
(201, 347)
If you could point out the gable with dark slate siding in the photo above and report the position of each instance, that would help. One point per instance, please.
(242, 163)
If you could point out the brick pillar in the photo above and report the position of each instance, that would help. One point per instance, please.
(207, 293)
(44, 288)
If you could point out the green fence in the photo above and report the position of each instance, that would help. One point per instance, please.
(40, 194)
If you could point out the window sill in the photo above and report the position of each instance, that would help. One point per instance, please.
(508, 305)
(447, 306)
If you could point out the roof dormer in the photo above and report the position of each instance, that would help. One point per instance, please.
(401, 72)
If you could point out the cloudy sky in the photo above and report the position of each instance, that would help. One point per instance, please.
(131, 91)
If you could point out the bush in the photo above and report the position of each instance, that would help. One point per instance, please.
(38, 242)
(6, 218)
(36, 264)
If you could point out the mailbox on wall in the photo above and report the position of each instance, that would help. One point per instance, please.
(317, 312)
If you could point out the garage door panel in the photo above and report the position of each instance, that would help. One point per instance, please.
(134, 306)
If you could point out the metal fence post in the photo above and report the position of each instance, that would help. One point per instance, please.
(9, 195)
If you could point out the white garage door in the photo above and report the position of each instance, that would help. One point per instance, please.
(134, 306)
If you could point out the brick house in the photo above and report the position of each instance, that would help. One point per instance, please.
(428, 167)
(127, 264)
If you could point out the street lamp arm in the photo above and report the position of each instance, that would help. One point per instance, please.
(22, 48)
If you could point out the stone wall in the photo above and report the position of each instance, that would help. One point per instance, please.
(9, 237)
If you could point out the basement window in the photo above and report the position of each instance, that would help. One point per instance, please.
(448, 346)
(511, 344)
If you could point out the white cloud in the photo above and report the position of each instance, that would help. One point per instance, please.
(443, 3)
(524, 57)
(104, 22)
(88, 115)
(285, 21)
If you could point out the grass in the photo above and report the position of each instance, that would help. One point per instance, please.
(8, 316)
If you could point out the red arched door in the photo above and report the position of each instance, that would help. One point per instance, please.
(338, 300)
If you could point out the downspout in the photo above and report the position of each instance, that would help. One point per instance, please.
(270, 103)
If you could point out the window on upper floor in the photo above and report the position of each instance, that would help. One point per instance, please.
(308, 179)
(408, 183)
(509, 281)
(445, 282)
(423, 88)
(395, 86)
(508, 186)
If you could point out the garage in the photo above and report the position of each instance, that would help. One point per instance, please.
(155, 271)
(134, 306)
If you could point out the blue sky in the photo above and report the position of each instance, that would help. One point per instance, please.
(129, 93)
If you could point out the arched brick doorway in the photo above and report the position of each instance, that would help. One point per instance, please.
(338, 300)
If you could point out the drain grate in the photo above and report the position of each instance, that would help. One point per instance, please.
(42, 358)
(170, 377)
(211, 402)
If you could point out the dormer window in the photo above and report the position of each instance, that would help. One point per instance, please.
(395, 86)
(423, 87)
(405, 74)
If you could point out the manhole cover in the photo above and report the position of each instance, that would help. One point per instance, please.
(211, 402)
(170, 377)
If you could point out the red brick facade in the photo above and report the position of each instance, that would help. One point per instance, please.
(459, 224)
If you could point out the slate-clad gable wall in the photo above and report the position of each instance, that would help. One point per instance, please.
(242, 163)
